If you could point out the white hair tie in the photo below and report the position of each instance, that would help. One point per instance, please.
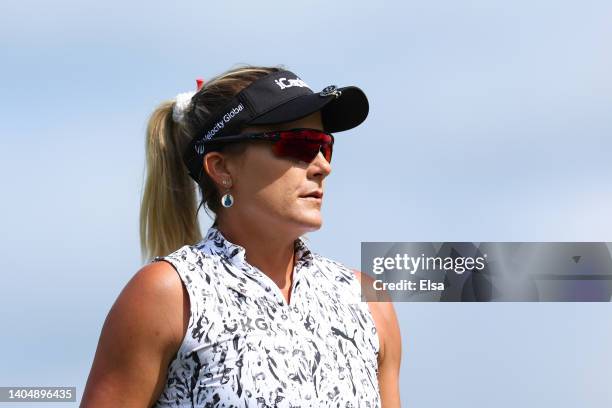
(182, 102)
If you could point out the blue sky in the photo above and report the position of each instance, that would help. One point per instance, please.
(489, 121)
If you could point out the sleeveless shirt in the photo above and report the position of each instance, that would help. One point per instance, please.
(245, 346)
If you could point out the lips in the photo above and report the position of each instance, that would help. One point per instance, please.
(314, 194)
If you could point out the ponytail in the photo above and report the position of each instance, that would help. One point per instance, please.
(168, 217)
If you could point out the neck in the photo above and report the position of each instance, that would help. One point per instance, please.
(266, 249)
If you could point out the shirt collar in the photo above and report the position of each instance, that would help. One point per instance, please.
(216, 243)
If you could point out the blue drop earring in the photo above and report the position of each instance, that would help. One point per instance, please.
(228, 199)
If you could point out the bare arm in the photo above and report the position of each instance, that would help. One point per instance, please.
(389, 357)
(140, 336)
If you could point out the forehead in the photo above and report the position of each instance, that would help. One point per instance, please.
(312, 121)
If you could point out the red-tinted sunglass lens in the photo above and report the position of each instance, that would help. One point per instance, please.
(304, 145)
(327, 152)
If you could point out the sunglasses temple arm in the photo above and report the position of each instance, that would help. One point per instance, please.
(233, 138)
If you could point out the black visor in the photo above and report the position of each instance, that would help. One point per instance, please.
(277, 98)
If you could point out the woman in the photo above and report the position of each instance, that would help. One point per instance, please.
(247, 316)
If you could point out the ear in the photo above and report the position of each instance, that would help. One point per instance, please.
(218, 168)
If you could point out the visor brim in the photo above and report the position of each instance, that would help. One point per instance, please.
(340, 113)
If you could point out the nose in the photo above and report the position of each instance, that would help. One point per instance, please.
(320, 166)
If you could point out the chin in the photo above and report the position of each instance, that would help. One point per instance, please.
(309, 224)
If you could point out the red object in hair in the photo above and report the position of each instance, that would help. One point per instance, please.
(199, 82)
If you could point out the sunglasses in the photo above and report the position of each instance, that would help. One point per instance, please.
(302, 144)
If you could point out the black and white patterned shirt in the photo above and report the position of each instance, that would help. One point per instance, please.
(247, 347)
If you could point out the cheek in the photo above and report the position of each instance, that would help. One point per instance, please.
(281, 192)
(269, 184)
(278, 192)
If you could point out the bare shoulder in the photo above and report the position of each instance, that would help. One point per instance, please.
(156, 295)
(139, 338)
(159, 279)
(156, 298)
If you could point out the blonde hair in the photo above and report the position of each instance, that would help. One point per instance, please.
(169, 207)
